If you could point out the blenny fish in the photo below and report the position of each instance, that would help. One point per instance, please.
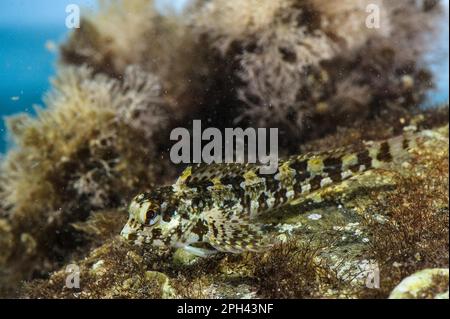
(216, 207)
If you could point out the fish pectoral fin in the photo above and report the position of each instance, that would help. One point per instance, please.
(236, 233)
(200, 252)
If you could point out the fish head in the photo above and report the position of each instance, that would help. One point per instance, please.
(151, 219)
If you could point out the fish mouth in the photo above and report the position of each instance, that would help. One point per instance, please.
(130, 230)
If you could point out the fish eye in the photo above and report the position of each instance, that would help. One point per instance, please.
(144, 210)
(151, 217)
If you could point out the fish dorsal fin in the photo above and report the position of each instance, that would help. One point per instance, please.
(197, 174)
(206, 172)
(235, 233)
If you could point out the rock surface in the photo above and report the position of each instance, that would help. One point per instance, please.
(427, 283)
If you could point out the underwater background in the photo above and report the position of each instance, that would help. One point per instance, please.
(27, 29)
(26, 64)
(370, 103)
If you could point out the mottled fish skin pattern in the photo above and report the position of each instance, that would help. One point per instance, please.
(218, 205)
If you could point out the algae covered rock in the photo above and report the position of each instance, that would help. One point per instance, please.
(113, 270)
(183, 258)
(161, 280)
(427, 283)
(125, 80)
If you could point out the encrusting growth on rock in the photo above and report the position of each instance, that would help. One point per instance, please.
(132, 72)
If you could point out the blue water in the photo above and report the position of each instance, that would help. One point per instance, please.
(438, 59)
(26, 64)
(25, 67)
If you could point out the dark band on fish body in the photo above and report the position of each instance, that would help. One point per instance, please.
(232, 180)
(333, 167)
(299, 166)
(315, 182)
(298, 187)
(302, 176)
(364, 158)
(336, 175)
(405, 143)
(272, 184)
(332, 164)
(384, 152)
(262, 200)
(280, 196)
(200, 228)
